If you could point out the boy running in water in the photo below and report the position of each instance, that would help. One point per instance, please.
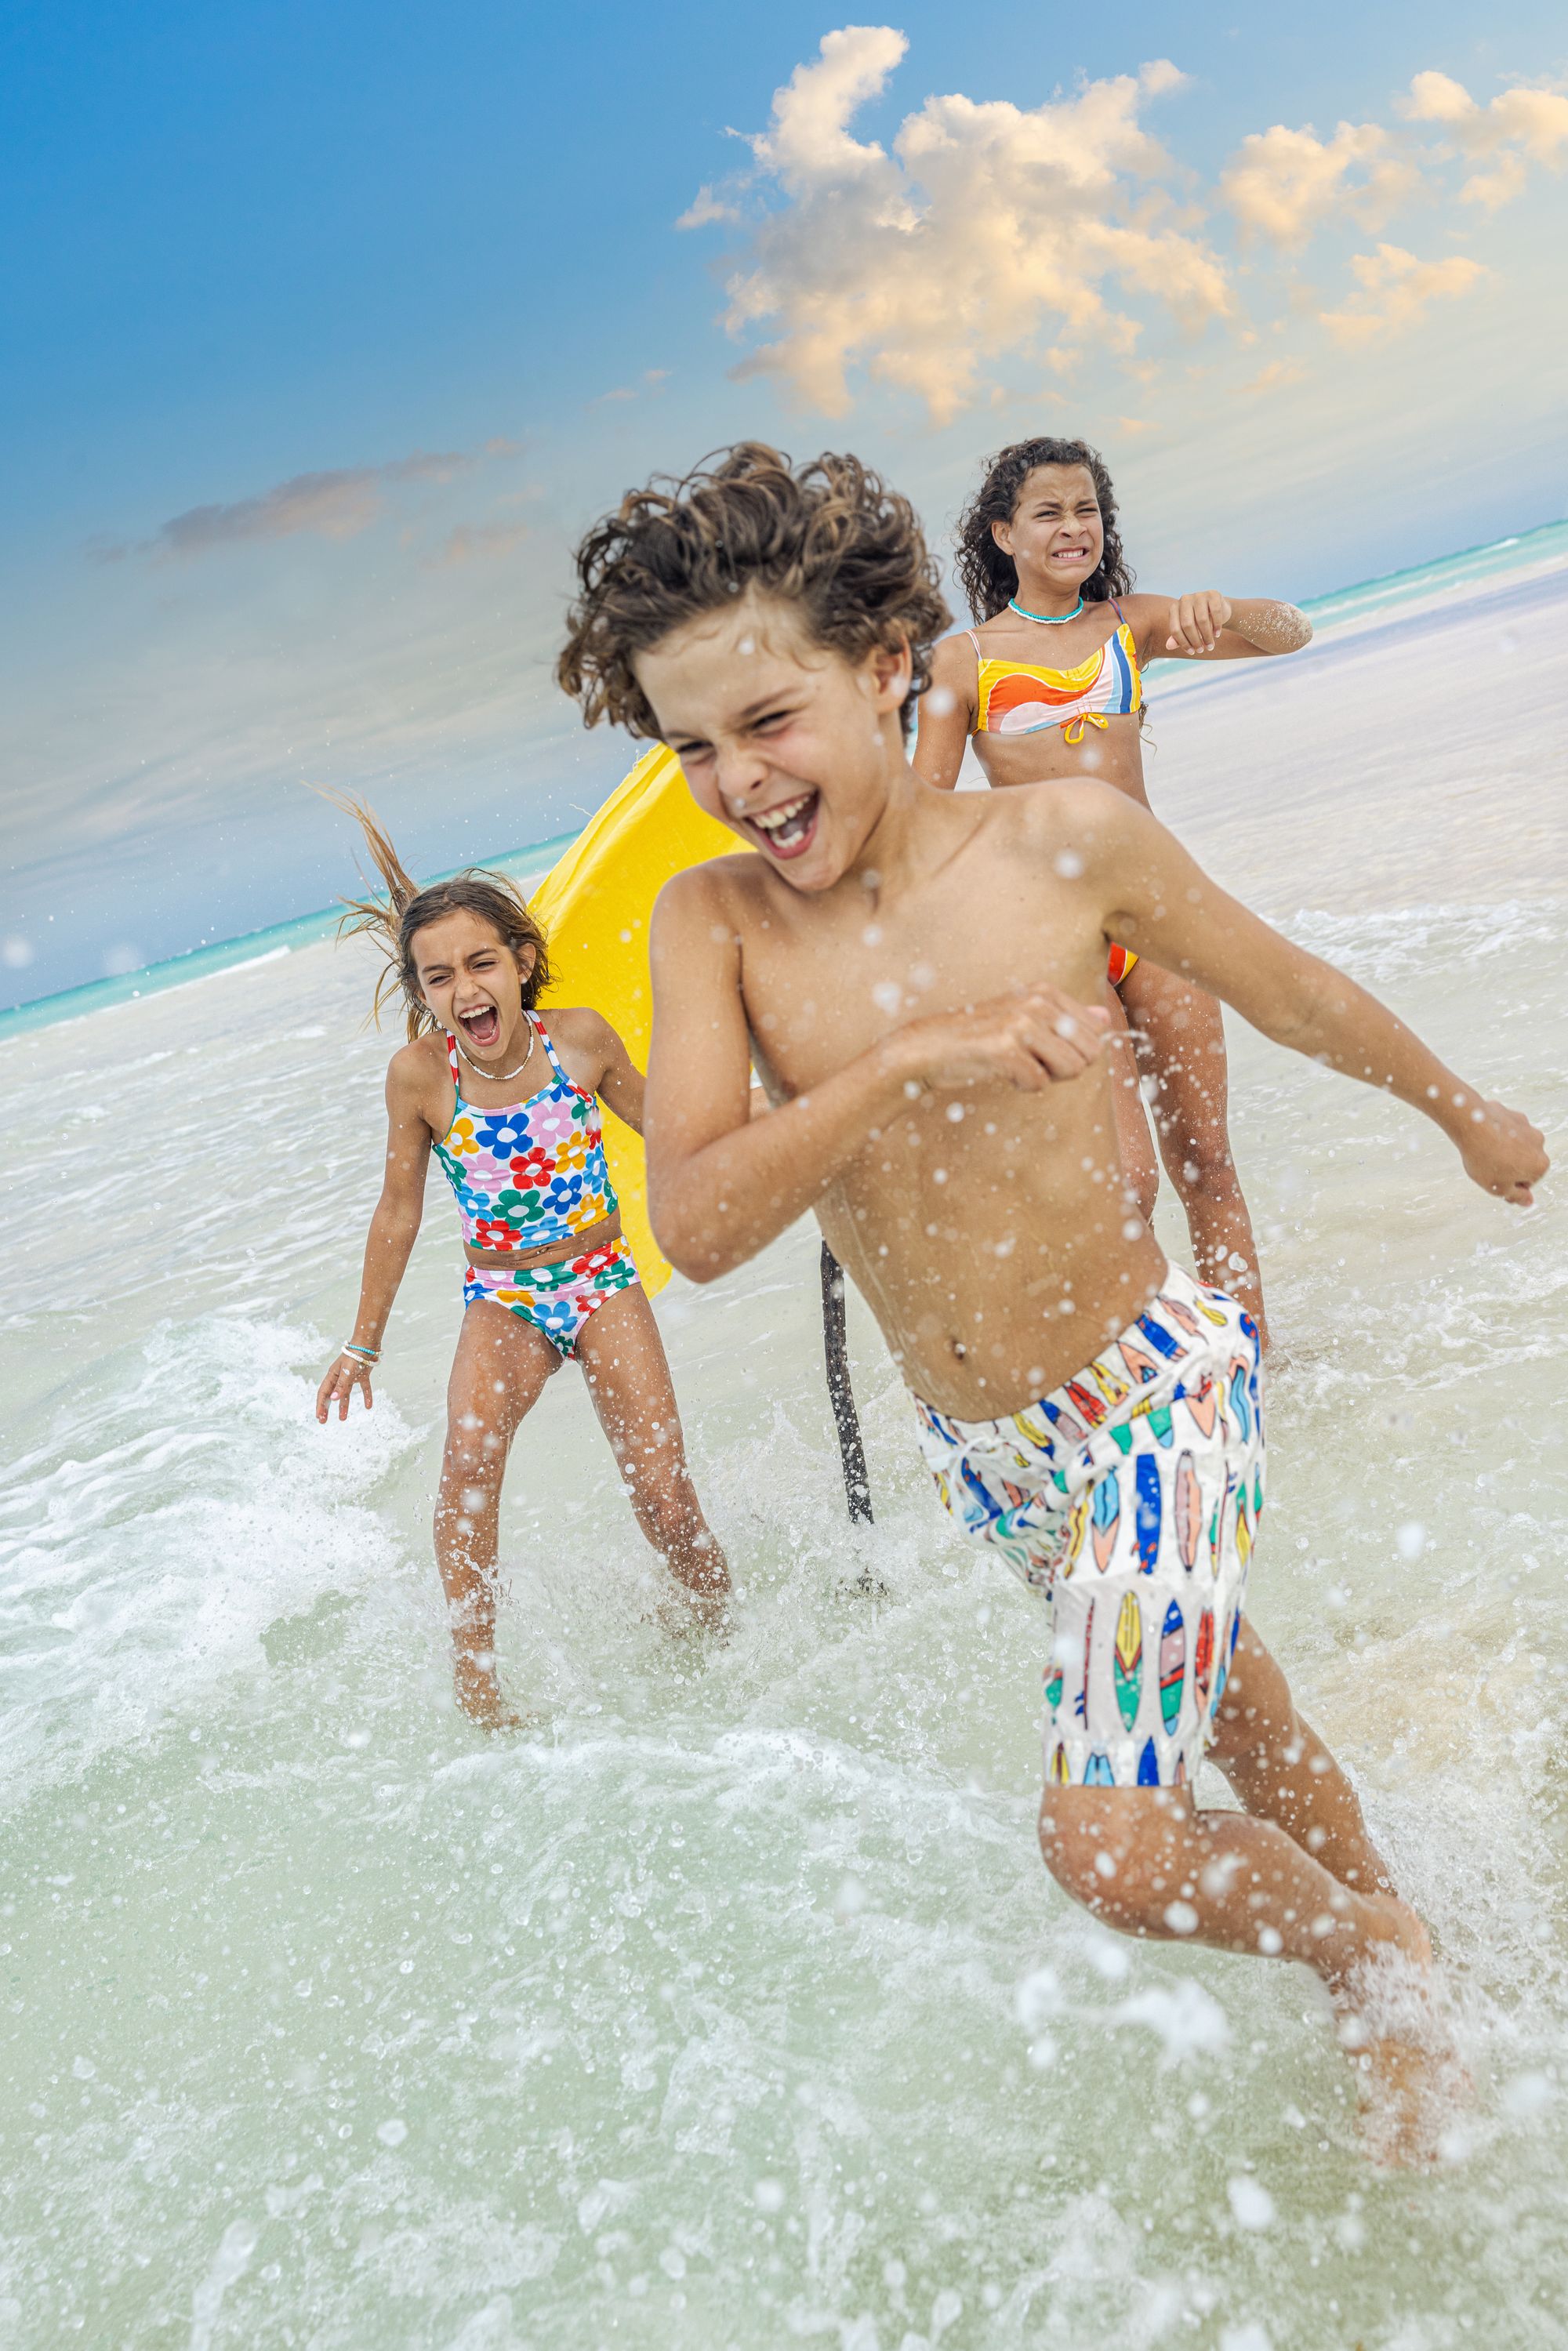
(916, 976)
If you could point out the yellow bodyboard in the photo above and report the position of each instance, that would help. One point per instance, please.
(594, 907)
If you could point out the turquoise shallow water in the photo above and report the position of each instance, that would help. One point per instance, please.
(231, 954)
(737, 2009)
(1372, 602)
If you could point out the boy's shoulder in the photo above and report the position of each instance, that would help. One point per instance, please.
(1046, 816)
(717, 881)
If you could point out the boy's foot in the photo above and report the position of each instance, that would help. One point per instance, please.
(479, 1695)
(1408, 2072)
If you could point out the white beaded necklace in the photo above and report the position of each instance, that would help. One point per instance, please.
(500, 1077)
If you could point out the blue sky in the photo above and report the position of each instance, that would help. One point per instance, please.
(331, 329)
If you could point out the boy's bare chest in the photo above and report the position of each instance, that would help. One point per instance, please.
(821, 989)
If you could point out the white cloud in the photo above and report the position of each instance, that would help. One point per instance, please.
(649, 381)
(989, 231)
(1275, 376)
(1281, 184)
(707, 207)
(1520, 127)
(334, 505)
(1394, 289)
(478, 541)
(983, 234)
(810, 136)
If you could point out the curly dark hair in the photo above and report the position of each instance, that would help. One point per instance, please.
(395, 921)
(829, 538)
(986, 573)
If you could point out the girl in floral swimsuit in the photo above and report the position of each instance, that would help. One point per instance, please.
(510, 1108)
(1049, 684)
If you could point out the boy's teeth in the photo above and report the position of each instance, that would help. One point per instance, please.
(780, 823)
(772, 819)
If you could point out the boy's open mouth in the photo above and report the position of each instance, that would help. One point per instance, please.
(788, 829)
(482, 1027)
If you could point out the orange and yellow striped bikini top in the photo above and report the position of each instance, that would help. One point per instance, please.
(1017, 698)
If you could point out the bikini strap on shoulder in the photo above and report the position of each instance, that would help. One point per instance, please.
(452, 1060)
(551, 1054)
(1116, 608)
(975, 641)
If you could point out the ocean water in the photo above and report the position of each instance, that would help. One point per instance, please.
(1532, 556)
(735, 2008)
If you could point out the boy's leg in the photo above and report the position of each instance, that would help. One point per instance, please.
(1295, 1875)
(497, 1375)
(1179, 1034)
(1147, 1862)
(1282, 1772)
(1142, 1542)
(628, 1374)
(1150, 1863)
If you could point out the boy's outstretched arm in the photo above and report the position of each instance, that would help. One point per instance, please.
(1160, 902)
(721, 1185)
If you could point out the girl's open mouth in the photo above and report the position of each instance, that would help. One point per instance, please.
(788, 830)
(482, 1028)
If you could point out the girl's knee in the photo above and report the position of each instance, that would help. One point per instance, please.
(467, 1495)
(475, 1447)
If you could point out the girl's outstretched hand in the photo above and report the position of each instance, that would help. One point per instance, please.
(1196, 622)
(1504, 1153)
(346, 1375)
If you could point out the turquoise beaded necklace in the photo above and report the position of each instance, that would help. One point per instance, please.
(1046, 619)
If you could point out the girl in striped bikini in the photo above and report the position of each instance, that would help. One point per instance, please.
(510, 1108)
(1049, 684)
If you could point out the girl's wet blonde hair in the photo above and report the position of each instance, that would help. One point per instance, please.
(395, 921)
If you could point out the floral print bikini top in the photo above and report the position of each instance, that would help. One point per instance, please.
(533, 1173)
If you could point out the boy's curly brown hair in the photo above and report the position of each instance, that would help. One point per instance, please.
(829, 538)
